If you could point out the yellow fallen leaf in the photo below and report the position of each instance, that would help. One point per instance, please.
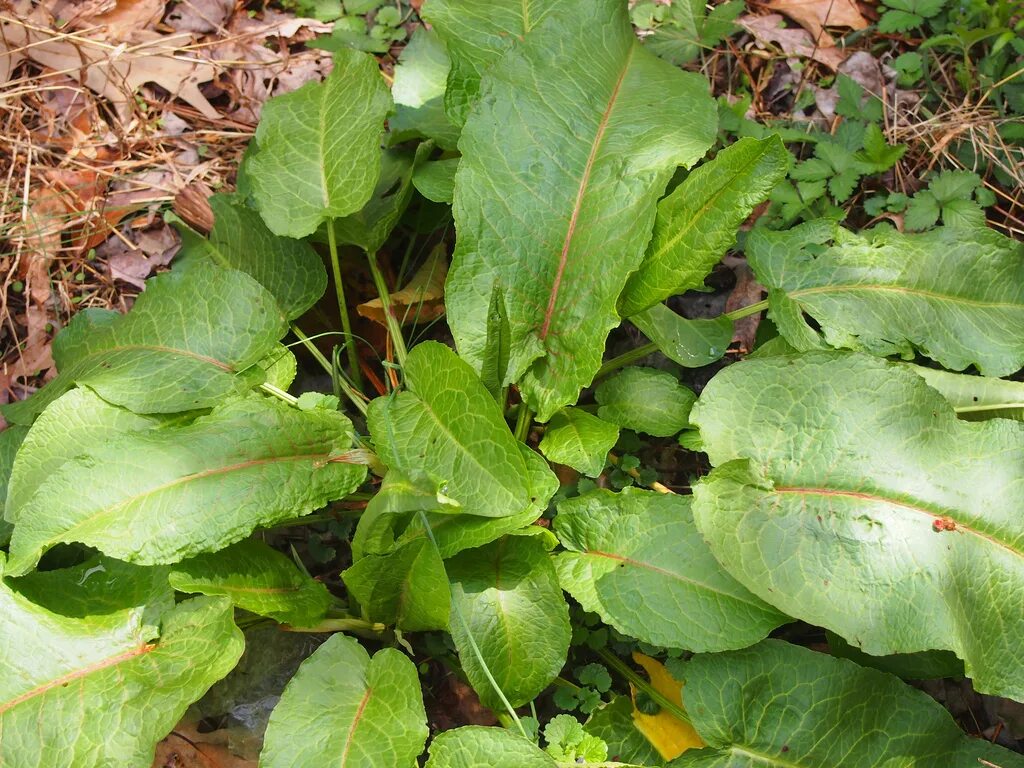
(422, 300)
(666, 732)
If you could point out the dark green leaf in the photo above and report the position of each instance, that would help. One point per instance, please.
(645, 400)
(691, 343)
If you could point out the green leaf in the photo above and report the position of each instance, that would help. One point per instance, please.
(497, 350)
(406, 588)
(923, 665)
(449, 426)
(418, 91)
(474, 746)
(955, 295)
(645, 400)
(344, 708)
(476, 34)
(698, 221)
(954, 185)
(257, 579)
(771, 704)
(506, 595)
(976, 397)
(636, 559)
(103, 690)
(318, 148)
(613, 724)
(162, 356)
(435, 180)
(691, 343)
(279, 367)
(580, 440)
(291, 270)
(847, 494)
(575, 135)
(922, 211)
(10, 441)
(164, 495)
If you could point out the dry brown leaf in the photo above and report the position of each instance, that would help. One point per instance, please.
(200, 16)
(186, 747)
(153, 248)
(421, 301)
(815, 15)
(793, 42)
(747, 291)
(118, 21)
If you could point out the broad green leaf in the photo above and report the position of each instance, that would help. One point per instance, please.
(497, 350)
(780, 705)
(476, 33)
(573, 140)
(613, 724)
(977, 397)
(697, 223)
(406, 588)
(103, 690)
(580, 440)
(318, 148)
(290, 269)
(475, 746)
(923, 665)
(955, 295)
(279, 367)
(10, 441)
(645, 400)
(181, 347)
(164, 495)
(345, 709)
(448, 426)
(637, 559)
(257, 578)
(691, 343)
(418, 91)
(506, 595)
(435, 180)
(847, 494)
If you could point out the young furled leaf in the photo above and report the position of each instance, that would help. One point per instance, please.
(497, 351)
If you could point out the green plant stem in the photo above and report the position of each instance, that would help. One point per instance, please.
(752, 309)
(279, 393)
(394, 327)
(354, 396)
(616, 663)
(523, 422)
(346, 324)
(340, 625)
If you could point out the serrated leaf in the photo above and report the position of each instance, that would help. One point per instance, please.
(847, 494)
(922, 211)
(976, 397)
(103, 690)
(645, 400)
(420, 82)
(164, 495)
(448, 426)
(554, 139)
(963, 214)
(435, 180)
(291, 270)
(954, 295)
(580, 440)
(279, 367)
(698, 221)
(256, 578)
(475, 746)
(691, 343)
(318, 148)
(406, 588)
(954, 185)
(769, 705)
(637, 559)
(506, 595)
(344, 708)
(162, 356)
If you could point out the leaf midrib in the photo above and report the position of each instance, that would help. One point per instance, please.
(153, 348)
(355, 724)
(847, 288)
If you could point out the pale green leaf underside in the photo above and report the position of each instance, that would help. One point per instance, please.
(318, 148)
(777, 705)
(508, 595)
(637, 559)
(347, 710)
(180, 347)
(645, 400)
(256, 578)
(847, 494)
(691, 343)
(164, 495)
(563, 159)
(955, 295)
(475, 746)
(580, 440)
(977, 397)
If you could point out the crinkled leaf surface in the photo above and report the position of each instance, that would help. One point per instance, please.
(345, 709)
(418, 91)
(580, 440)
(257, 578)
(476, 33)
(318, 148)
(290, 269)
(645, 400)
(955, 295)
(448, 426)
(698, 221)
(563, 159)
(164, 495)
(506, 595)
(475, 746)
(691, 343)
(977, 397)
(777, 705)
(103, 690)
(181, 346)
(637, 559)
(847, 493)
